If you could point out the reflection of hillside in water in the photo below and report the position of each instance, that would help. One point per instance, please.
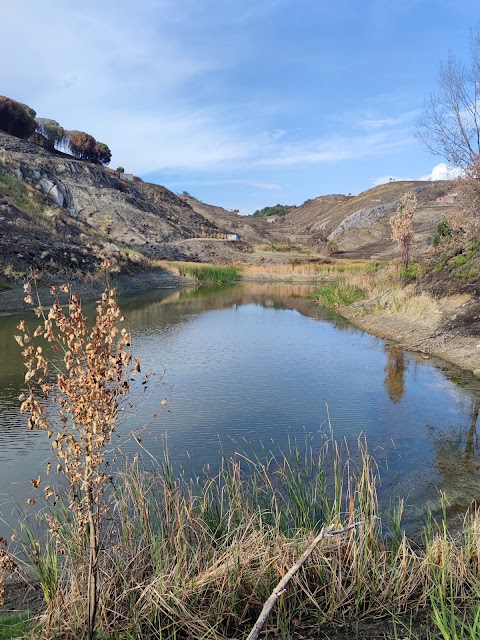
(176, 306)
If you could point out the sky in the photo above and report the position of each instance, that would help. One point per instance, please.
(242, 104)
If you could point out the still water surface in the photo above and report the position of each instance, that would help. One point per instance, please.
(259, 363)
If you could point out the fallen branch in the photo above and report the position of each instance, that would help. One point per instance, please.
(281, 586)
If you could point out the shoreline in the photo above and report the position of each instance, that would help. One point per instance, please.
(423, 332)
(428, 334)
(12, 300)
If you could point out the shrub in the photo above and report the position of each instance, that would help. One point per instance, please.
(51, 130)
(401, 223)
(85, 391)
(411, 272)
(332, 247)
(442, 232)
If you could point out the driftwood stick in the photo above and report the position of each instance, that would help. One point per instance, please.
(281, 586)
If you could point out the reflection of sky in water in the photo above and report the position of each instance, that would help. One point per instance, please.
(249, 363)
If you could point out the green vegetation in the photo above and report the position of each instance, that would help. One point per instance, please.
(14, 626)
(276, 210)
(19, 194)
(442, 232)
(410, 272)
(279, 246)
(198, 558)
(462, 263)
(206, 272)
(338, 293)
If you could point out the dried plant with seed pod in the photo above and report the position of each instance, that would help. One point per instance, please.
(85, 383)
(7, 567)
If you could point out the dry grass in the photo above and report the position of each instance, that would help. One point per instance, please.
(314, 269)
(198, 559)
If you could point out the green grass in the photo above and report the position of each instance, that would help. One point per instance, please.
(15, 626)
(208, 273)
(18, 193)
(338, 293)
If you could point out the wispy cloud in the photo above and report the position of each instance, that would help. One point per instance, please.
(387, 122)
(334, 149)
(267, 186)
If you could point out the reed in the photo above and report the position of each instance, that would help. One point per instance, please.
(205, 273)
(198, 557)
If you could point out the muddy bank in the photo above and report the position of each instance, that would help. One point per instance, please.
(12, 300)
(449, 330)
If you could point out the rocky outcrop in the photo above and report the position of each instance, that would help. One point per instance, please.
(142, 216)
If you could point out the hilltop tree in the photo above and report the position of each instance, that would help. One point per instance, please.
(82, 145)
(16, 119)
(103, 153)
(51, 130)
(275, 210)
(449, 125)
(401, 223)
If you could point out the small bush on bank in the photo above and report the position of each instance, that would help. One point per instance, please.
(411, 272)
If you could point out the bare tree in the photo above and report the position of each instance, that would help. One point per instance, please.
(401, 223)
(449, 125)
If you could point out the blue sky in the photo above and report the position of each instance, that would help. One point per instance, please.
(243, 104)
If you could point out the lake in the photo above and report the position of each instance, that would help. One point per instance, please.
(254, 366)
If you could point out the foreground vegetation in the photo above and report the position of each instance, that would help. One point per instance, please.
(197, 559)
(152, 554)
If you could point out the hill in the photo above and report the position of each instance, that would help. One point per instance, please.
(360, 226)
(63, 215)
(63, 204)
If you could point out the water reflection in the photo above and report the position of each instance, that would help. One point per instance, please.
(260, 363)
(395, 370)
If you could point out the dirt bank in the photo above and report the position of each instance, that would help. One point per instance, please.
(447, 328)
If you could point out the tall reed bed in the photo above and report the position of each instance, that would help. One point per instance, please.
(197, 558)
(312, 269)
(205, 273)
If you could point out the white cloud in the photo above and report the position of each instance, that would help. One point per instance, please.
(275, 135)
(442, 171)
